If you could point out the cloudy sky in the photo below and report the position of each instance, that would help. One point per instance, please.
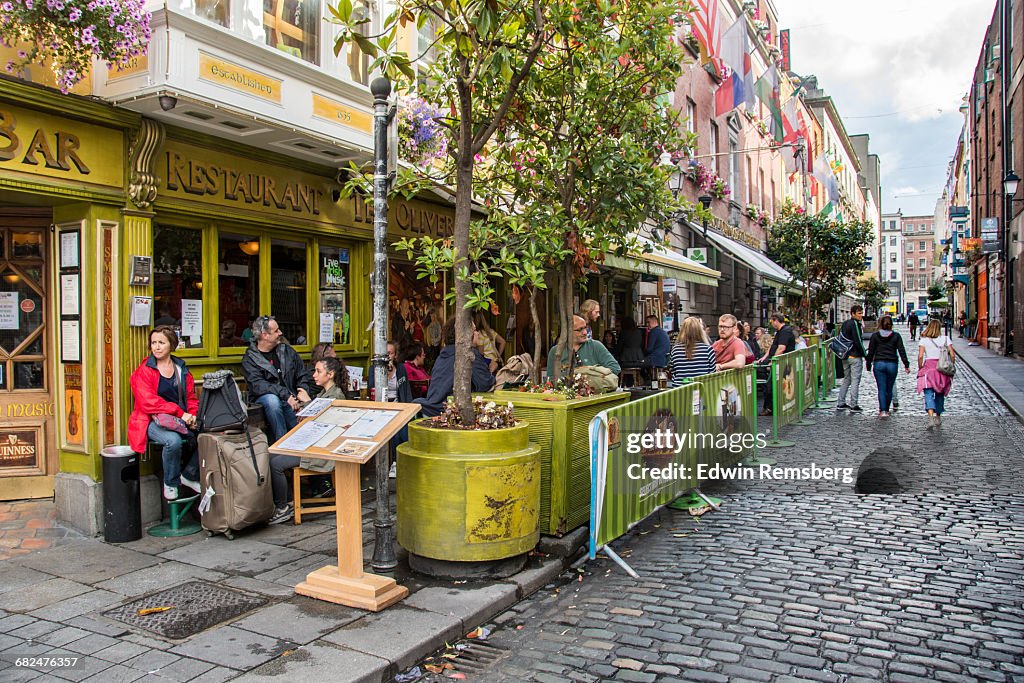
(897, 70)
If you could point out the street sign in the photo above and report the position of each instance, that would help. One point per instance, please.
(989, 229)
(698, 255)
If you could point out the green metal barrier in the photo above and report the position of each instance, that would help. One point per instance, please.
(807, 376)
(827, 372)
(784, 385)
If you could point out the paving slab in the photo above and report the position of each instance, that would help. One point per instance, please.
(324, 541)
(310, 663)
(83, 669)
(234, 647)
(92, 601)
(533, 578)
(295, 572)
(156, 578)
(288, 534)
(41, 594)
(154, 545)
(116, 674)
(181, 669)
(278, 590)
(97, 623)
(240, 556)
(399, 634)
(301, 619)
(34, 630)
(86, 561)
(121, 651)
(16, 577)
(472, 605)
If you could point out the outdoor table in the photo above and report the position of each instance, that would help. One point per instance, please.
(636, 393)
(359, 437)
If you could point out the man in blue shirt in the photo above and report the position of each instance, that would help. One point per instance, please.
(658, 346)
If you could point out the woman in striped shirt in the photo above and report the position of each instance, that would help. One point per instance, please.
(692, 355)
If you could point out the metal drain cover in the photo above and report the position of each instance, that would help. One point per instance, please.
(195, 606)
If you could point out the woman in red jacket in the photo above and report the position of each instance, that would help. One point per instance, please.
(162, 385)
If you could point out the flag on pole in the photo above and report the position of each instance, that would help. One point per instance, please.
(736, 56)
(767, 88)
(790, 135)
(729, 94)
(707, 28)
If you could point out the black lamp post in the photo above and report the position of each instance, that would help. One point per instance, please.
(1010, 184)
(384, 558)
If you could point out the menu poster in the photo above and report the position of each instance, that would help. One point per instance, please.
(191, 317)
(9, 311)
(142, 308)
(142, 270)
(69, 249)
(355, 448)
(70, 294)
(70, 341)
(326, 328)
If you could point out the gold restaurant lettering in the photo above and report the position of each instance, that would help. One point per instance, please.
(194, 177)
(39, 149)
(410, 219)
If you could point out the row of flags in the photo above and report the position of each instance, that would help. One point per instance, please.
(729, 53)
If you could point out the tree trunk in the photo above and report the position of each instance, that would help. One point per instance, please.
(566, 279)
(537, 336)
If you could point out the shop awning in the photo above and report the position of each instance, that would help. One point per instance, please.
(755, 260)
(663, 262)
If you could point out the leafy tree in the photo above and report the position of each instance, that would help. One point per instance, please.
(935, 291)
(874, 293)
(821, 251)
(484, 52)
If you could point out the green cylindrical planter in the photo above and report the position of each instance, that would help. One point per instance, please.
(468, 496)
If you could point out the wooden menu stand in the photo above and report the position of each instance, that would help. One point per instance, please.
(346, 583)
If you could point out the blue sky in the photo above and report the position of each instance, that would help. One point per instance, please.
(897, 70)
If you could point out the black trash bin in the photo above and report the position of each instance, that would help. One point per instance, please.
(122, 508)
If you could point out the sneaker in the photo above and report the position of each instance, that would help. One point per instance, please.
(194, 485)
(765, 413)
(882, 413)
(938, 420)
(856, 409)
(393, 472)
(895, 405)
(324, 490)
(842, 406)
(170, 492)
(282, 515)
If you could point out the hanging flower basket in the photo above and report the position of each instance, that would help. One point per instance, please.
(421, 137)
(70, 33)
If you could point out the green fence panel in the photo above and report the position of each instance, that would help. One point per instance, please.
(729, 400)
(808, 370)
(784, 387)
(620, 493)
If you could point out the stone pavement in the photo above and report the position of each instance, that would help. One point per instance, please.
(30, 525)
(1004, 375)
(810, 581)
(56, 603)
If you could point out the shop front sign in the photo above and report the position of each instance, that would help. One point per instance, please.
(223, 179)
(19, 448)
(40, 144)
(342, 114)
(239, 78)
(409, 219)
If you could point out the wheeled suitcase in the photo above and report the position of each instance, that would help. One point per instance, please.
(234, 469)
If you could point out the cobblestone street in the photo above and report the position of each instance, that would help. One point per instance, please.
(809, 580)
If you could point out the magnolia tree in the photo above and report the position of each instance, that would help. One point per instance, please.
(578, 159)
(70, 33)
(821, 252)
(552, 122)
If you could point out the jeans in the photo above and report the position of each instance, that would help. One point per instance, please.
(885, 377)
(853, 366)
(174, 446)
(933, 400)
(279, 415)
(279, 464)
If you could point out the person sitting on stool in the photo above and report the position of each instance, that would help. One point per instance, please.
(277, 378)
(657, 348)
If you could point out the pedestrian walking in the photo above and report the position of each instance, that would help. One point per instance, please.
(912, 322)
(884, 350)
(853, 364)
(930, 382)
(947, 321)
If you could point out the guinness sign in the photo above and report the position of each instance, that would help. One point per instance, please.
(18, 449)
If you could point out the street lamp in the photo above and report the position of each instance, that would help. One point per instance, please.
(705, 202)
(1010, 183)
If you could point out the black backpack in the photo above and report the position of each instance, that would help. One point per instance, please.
(220, 405)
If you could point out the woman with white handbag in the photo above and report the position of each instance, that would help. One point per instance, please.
(935, 369)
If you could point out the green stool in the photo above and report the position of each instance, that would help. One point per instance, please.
(176, 511)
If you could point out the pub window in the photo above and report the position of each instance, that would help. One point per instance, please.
(217, 11)
(238, 278)
(334, 288)
(288, 289)
(292, 26)
(178, 278)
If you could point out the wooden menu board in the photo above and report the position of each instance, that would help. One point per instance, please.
(350, 433)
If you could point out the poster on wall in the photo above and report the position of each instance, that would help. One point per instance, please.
(69, 249)
(191, 318)
(8, 310)
(70, 341)
(19, 448)
(70, 294)
(73, 405)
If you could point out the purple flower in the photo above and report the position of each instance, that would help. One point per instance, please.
(75, 14)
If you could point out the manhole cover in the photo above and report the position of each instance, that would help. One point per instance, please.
(195, 607)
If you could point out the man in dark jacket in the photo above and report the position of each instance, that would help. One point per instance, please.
(442, 377)
(658, 345)
(277, 378)
(784, 341)
(853, 364)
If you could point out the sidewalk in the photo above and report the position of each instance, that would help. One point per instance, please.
(1003, 375)
(79, 600)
